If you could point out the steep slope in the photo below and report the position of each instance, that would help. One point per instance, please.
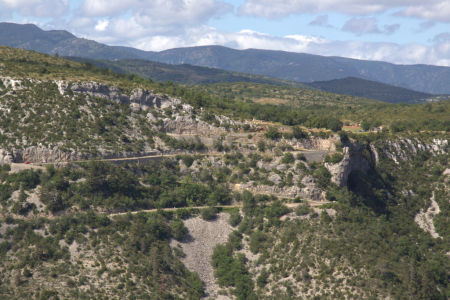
(299, 67)
(370, 89)
(92, 229)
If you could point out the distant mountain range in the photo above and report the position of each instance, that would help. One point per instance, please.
(189, 74)
(298, 67)
(186, 74)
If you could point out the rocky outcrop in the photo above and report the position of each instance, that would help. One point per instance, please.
(138, 99)
(6, 157)
(315, 143)
(424, 219)
(354, 160)
(309, 189)
(188, 125)
(405, 149)
(37, 154)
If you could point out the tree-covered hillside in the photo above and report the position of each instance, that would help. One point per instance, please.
(370, 89)
(110, 183)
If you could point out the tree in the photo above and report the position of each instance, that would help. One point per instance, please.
(178, 230)
(365, 125)
(299, 133)
(273, 133)
(261, 146)
(209, 214)
(288, 158)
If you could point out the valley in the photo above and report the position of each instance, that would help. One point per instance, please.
(115, 186)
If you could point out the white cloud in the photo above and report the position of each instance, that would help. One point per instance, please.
(101, 25)
(37, 8)
(133, 20)
(101, 8)
(438, 10)
(158, 12)
(412, 53)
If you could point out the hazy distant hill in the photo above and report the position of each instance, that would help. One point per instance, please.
(187, 74)
(370, 89)
(298, 67)
(303, 67)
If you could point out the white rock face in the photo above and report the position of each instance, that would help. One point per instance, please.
(353, 161)
(424, 219)
(5, 157)
(405, 149)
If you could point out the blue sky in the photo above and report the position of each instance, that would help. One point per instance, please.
(398, 31)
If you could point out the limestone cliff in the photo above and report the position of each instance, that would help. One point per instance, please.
(356, 158)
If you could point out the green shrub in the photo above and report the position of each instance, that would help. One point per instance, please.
(273, 133)
(334, 158)
(302, 210)
(263, 277)
(188, 160)
(322, 176)
(301, 156)
(261, 146)
(178, 230)
(298, 133)
(288, 158)
(209, 213)
(235, 218)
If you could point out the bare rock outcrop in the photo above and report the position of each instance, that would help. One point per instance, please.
(309, 189)
(424, 219)
(6, 157)
(188, 125)
(404, 149)
(353, 160)
(138, 99)
(38, 154)
(203, 237)
(315, 143)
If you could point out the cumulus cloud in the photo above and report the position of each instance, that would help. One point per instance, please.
(37, 8)
(101, 25)
(321, 20)
(101, 8)
(120, 22)
(432, 10)
(442, 38)
(412, 53)
(425, 26)
(157, 12)
(438, 10)
(361, 26)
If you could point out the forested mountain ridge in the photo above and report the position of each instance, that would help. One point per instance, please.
(189, 74)
(185, 74)
(299, 67)
(312, 211)
(370, 89)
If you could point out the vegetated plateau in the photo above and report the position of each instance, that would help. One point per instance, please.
(108, 181)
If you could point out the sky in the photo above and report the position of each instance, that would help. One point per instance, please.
(397, 31)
